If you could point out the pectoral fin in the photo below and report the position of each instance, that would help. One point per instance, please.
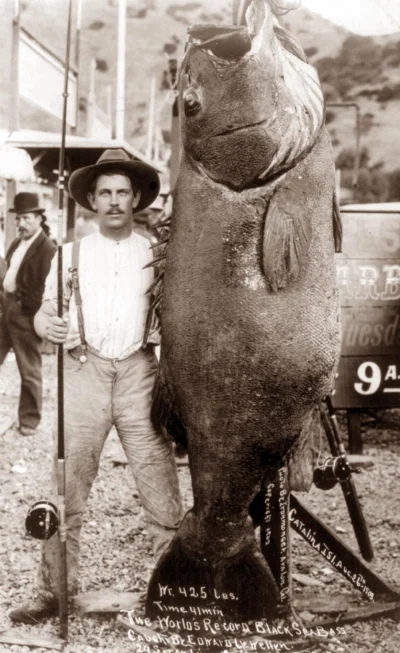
(287, 235)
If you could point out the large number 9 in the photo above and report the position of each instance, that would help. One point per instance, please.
(370, 374)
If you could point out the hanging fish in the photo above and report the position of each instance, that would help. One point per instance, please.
(250, 318)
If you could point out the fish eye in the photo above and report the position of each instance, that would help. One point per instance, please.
(192, 103)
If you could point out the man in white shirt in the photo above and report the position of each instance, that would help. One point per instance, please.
(28, 263)
(108, 375)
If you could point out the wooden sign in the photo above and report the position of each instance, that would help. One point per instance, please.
(368, 275)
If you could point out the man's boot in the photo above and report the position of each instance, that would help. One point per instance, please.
(35, 611)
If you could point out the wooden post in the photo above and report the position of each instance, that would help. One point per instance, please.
(71, 224)
(13, 124)
(175, 127)
(120, 107)
(10, 230)
(157, 138)
(354, 427)
(109, 109)
(91, 99)
(150, 130)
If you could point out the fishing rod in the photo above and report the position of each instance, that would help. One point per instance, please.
(44, 519)
(61, 486)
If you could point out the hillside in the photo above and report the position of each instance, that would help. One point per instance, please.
(353, 68)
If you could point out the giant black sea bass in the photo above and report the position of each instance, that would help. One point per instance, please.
(250, 321)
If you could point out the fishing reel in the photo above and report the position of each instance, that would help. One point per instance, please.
(332, 471)
(42, 520)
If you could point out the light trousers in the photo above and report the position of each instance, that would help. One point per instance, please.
(98, 394)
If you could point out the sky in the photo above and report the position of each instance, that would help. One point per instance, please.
(361, 16)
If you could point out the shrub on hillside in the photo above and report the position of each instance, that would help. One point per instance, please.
(359, 62)
(372, 186)
(102, 65)
(394, 185)
(187, 6)
(367, 121)
(373, 183)
(346, 158)
(211, 18)
(170, 48)
(96, 25)
(137, 12)
(390, 92)
(368, 92)
(391, 52)
(329, 116)
(329, 92)
(310, 52)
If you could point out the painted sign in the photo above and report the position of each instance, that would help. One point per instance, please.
(368, 276)
(41, 78)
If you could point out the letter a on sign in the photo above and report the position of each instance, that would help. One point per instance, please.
(391, 373)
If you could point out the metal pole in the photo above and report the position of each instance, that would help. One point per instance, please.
(62, 529)
(76, 61)
(157, 143)
(13, 124)
(150, 132)
(120, 108)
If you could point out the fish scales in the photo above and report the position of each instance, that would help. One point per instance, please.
(250, 326)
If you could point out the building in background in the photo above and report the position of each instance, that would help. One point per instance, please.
(31, 98)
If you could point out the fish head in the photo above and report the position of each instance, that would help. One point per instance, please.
(250, 104)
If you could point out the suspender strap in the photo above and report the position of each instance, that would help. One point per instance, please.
(77, 292)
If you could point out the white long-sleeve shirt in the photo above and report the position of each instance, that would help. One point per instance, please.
(113, 286)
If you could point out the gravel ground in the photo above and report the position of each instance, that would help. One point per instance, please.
(116, 553)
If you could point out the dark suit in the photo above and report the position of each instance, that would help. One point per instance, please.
(16, 325)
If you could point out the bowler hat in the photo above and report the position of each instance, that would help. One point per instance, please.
(144, 176)
(26, 203)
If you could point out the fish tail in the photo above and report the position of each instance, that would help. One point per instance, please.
(242, 588)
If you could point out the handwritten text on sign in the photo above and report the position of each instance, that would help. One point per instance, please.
(368, 276)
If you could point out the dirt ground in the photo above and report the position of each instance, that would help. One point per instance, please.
(116, 553)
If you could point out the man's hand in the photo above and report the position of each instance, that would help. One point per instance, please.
(57, 329)
(50, 327)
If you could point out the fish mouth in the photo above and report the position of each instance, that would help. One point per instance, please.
(233, 42)
(240, 128)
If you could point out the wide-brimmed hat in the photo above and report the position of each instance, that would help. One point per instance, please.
(144, 176)
(26, 203)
